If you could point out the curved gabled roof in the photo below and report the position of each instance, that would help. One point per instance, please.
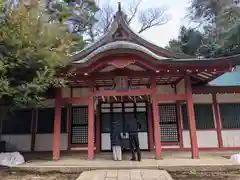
(120, 45)
(120, 30)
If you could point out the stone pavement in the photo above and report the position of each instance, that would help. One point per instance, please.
(172, 161)
(137, 174)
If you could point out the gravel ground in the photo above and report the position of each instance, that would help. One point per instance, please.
(7, 175)
(233, 175)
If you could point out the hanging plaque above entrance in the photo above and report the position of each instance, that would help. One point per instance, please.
(121, 83)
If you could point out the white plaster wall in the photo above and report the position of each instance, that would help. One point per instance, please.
(202, 98)
(231, 138)
(228, 98)
(205, 139)
(143, 140)
(106, 141)
(170, 147)
(80, 148)
(44, 142)
(180, 87)
(80, 92)
(66, 92)
(17, 142)
(165, 89)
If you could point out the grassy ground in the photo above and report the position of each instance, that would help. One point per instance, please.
(233, 175)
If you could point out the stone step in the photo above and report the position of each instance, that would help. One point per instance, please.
(136, 174)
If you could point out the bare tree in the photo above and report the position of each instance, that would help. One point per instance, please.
(133, 10)
(146, 17)
(152, 17)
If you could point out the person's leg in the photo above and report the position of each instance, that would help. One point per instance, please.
(131, 140)
(119, 153)
(114, 153)
(136, 142)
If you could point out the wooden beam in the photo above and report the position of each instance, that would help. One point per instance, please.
(136, 92)
(171, 97)
(125, 72)
(74, 100)
(215, 89)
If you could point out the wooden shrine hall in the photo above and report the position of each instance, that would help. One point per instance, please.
(123, 67)
(123, 74)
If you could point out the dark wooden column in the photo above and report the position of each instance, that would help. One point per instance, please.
(157, 138)
(191, 118)
(33, 129)
(57, 126)
(98, 130)
(217, 120)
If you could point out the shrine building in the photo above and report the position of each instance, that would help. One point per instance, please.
(123, 75)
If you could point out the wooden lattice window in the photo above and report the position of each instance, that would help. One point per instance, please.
(18, 122)
(168, 123)
(203, 116)
(46, 120)
(80, 125)
(230, 115)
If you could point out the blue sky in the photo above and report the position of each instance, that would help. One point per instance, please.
(160, 35)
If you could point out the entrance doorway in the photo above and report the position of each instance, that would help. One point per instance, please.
(120, 111)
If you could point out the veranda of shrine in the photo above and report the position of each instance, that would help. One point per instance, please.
(121, 74)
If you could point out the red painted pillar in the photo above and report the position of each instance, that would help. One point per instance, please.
(180, 124)
(57, 126)
(191, 118)
(98, 130)
(90, 128)
(217, 120)
(157, 138)
(70, 121)
(150, 127)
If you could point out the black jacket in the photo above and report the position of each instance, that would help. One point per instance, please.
(132, 126)
(116, 139)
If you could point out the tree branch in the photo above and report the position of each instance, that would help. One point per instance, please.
(133, 9)
(152, 17)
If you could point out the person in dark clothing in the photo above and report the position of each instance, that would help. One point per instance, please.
(116, 140)
(132, 127)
